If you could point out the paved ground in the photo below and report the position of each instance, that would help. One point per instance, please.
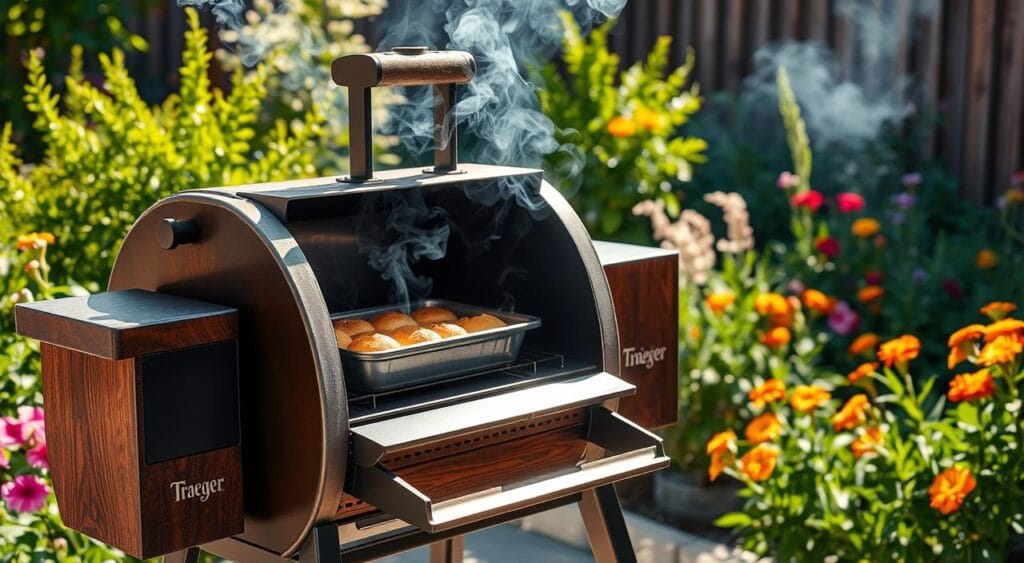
(505, 544)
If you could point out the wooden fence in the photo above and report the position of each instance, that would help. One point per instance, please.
(964, 57)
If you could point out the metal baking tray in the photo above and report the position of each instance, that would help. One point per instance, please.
(428, 362)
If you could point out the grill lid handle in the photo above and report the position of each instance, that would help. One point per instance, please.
(403, 66)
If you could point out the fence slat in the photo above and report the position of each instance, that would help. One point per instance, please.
(1007, 147)
(732, 68)
(707, 44)
(979, 94)
(929, 64)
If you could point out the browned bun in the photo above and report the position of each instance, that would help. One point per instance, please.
(414, 335)
(480, 322)
(448, 330)
(352, 327)
(343, 339)
(428, 315)
(391, 321)
(375, 342)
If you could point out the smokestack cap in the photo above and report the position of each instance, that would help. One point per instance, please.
(410, 50)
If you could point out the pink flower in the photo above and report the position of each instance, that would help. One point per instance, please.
(37, 456)
(828, 246)
(874, 277)
(849, 202)
(811, 200)
(26, 493)
(843, 319)
(912, 179)
(4, 462)
(787, 180)
(28, 426)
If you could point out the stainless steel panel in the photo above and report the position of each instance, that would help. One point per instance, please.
(434, 361)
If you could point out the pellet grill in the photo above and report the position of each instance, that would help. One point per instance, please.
(203, 400)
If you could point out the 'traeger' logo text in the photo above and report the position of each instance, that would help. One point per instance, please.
(202, 491)
(643, 357)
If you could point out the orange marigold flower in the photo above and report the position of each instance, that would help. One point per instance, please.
(806, 398)
(34, 240)
(768, 392)
(950, 488)
(621, 127)
(971, 386)
(776, 337)
(866, 442)
(1002, 350)
(721, 442)
(763, 428)
(719, 461)
(853, 413)
(870, 293)
(818, 302)
(865, 227)
(862, 371)
(899, 350)
(863, 343)
(1004, 327)
(997, 310)
(961, 343)
(986, 259)
(776, 307)
(759, 463)
(650, 120)
(695, 332)
(720, 301)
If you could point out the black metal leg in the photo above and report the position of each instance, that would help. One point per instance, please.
(606, 527)
(321, 546)
(447, 551)
(190, 555)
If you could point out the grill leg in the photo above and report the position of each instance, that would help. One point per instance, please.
(321, 545)
(447, 551)
(606, 527)
(190, 555)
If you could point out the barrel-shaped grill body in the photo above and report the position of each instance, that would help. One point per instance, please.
(287, 256)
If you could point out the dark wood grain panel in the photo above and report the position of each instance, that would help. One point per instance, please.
(169, 523)
(91, 442)
(497, 465)
(645, 289)
(123, 324)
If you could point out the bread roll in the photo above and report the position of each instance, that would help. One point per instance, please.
(375, 342)
(392, 321)
(448, 330)
(352, 327)
(429, 315)
(414, 335)
(343, 339)
(480, 323)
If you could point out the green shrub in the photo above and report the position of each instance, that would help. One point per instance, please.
(109, 155)
(625, 127)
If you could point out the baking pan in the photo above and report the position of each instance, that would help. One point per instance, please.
(428, 362)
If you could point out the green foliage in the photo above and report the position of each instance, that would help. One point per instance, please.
(298, 42)
(56, 26)
(109, 155)
(625, 127)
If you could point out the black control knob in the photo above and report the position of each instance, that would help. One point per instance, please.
(171, 233)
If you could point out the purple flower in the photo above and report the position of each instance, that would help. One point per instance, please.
(919, 275)
(795, 286)
(897, 218)
(26, 493)
(912, 179)
(904, 201)
(843, 319)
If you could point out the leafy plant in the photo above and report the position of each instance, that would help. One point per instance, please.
(625, 129)
(109, 155)
(55, 27)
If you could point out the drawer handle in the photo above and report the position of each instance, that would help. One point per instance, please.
(392, 494)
